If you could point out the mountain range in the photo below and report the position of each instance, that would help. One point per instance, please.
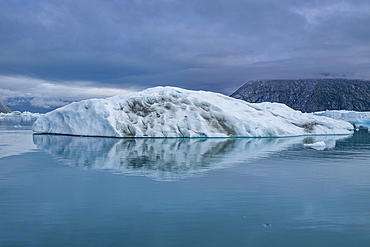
(309, 95)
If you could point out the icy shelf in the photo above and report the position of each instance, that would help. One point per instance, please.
(175, 112)
(357, 119)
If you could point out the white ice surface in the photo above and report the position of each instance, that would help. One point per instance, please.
(358, 119)
(175, 112)
(17, 114)
(321, 145)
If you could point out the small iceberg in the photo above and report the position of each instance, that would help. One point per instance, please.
(321, 145)
(175, 112)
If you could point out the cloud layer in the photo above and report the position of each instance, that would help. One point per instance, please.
(212, 45)
(37, 93)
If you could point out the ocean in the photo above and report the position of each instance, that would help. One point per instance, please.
(86, 191)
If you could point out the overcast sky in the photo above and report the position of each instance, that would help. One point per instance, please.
(53, 52)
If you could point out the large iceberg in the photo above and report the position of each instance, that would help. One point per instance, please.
(175, 112)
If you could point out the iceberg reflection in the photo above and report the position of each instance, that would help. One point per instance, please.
(165, 159)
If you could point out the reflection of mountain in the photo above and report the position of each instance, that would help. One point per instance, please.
(164, 159)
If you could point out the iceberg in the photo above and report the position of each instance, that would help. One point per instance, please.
(175, 112)
(317, 145)
(360, 120)
(17, 115)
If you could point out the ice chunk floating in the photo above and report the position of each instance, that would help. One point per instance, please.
(175, 112)
(321, 145)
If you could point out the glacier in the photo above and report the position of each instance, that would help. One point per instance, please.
(176, 112)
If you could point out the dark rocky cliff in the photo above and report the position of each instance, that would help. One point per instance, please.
(4, 109)
(309, 95)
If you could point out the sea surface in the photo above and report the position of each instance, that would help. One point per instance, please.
(78, 191)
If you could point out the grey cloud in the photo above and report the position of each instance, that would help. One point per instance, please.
(40, 94)
(212, 45)
(47, 103)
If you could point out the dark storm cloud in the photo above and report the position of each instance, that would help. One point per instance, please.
(212, 45)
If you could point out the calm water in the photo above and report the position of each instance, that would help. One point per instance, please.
(79, 191)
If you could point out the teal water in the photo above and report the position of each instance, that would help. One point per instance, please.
(80, 191)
